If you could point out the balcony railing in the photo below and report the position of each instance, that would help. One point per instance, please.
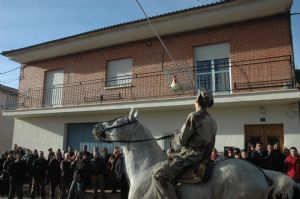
(275, 73)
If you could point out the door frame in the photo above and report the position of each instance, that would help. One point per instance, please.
(264, 133)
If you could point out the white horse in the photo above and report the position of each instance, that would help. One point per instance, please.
(231, 179)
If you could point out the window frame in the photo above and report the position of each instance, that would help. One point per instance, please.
(108, 83)
(213, 71)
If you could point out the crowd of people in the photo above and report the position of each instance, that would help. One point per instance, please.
(70, 172)
(73, 172)
(269, 157)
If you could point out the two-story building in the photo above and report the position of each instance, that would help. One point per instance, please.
(240, 50)
(6, 123)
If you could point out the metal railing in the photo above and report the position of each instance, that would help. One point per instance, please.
(273, 73)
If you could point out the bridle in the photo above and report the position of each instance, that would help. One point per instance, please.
(128, 122)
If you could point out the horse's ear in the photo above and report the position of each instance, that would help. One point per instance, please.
(136, 114)
(131, 114)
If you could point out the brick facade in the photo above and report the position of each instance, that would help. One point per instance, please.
(260, 50)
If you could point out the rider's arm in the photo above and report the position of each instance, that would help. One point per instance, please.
(186, 131)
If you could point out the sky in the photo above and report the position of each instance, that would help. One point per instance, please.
(28, 22)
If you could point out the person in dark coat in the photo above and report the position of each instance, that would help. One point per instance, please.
(66, 175)
(257, 156)
(105, 155)
(269, 157)
(77, 185)
(5, 176)
(39, 169)
(28, 159)
(17, 173)
(85, 152)
(111, 165)
(98, 170)
(121, 176)
(1, 169)
(54, 174)
(278, 158)
(87, 177)
(29, 163)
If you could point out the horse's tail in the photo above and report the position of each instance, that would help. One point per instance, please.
(282, 187)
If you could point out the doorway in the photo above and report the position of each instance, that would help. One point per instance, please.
(265, 134)
(80, 134)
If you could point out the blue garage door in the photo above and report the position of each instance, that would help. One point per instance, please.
(80, 134)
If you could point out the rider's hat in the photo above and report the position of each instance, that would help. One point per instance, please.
(205, 99)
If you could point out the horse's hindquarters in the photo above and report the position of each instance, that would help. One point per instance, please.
(231, 179)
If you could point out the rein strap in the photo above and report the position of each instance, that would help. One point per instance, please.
(144, 140)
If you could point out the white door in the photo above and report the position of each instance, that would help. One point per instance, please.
(53, 93)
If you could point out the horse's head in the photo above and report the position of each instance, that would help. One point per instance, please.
(116, 130)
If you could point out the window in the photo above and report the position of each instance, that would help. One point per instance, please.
(213, 68)
(119, 72)
(53, 89)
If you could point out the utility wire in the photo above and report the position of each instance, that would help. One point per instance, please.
(153, 29)
(157, 35)
(9, 80)
(10, 70)
(296, 13)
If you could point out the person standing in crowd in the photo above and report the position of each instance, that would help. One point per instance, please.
(244, 155)
(121, 177)
(70, 152)
(39, 169)
(5, 176)
(51, 154)
(250, 149)
(257, 156)
(111, 165)
(29, 163)
(98, 170)
(96, 150)
(105, 156)
(85, 152)
(54, 174)
(28, 159)
(286, 152)
(66, 175)
(16, 172)
(79, 175)
(87, 178)
(292, 165)
(1, 169)
(229, 153)
(278, 158)
(19, 151)
(237, 153)
(268, 158)
(215, 156)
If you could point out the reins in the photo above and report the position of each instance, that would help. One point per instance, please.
(144, 140)
(129, 141)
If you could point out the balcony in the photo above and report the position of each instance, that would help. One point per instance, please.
(222, 78)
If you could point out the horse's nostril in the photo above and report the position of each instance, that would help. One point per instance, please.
(103, 134)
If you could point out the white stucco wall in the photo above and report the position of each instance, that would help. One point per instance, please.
(6, 127)
(46, 132)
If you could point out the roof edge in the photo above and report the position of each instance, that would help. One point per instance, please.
(5, 53)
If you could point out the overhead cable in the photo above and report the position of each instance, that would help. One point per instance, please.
(10, 70)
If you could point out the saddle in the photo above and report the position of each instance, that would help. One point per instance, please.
(200, 173)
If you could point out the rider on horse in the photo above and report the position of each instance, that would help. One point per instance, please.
(197, 138)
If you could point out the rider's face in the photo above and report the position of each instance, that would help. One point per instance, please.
(197, 106)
